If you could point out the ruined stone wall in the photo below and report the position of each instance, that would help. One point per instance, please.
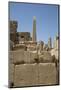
(13, 31)
(24, 36)
(28, 69)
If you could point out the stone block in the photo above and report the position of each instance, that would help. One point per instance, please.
(33, 57)
(26, 75)
(45, 57)
(55, 52)
(18, 56)
(11, 75)
(11, 56)
(29, 57)
(47, 74)
(26, 56)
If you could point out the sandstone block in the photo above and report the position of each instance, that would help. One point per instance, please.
(55, 52)
(33, 57)
(47, 74)
(11, 75)
(45, 57)
(11, 57)
(26, 56)
(18, 56)
(29, 57)
(26, 75)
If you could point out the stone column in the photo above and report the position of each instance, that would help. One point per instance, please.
(41, 45)
(56, 41)
(49, 43)
(34, 30)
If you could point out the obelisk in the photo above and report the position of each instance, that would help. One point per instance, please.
(49, 43)
(34, 30)
(56, 41)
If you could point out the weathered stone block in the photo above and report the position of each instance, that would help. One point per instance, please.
(11, 57)
(47, 74)
(11, 75)
(35, 74)
(26, 56)
(29, 57)
(45, 56)
(26, 75)
(55, 52)
(18, 56)
(33, 57)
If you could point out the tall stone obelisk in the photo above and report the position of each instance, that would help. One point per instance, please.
(34, 30)
(49, 43)
(56, 41)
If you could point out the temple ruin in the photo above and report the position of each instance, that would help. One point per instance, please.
(32, 63)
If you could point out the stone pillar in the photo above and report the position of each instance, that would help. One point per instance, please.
(34, 30)
(41, 45)
(54, 44)
(49, 43)
(56, 41)
(45, 47)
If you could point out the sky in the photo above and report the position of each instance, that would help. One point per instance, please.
(46, 19)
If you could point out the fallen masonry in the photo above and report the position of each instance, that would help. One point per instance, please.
(28, 68)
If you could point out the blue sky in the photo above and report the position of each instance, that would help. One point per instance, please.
(46, 19)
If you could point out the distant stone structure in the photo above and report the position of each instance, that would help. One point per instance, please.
(34, 30)
(11, 44)
(45, 47)
(55, 50)
(49, 43)
(56, 41)
(24, 36)
(13, 31)
(41, 44)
